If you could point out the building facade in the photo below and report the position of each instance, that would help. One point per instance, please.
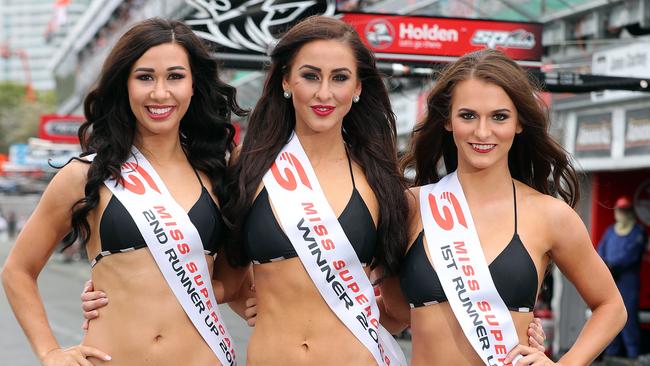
(30, 31)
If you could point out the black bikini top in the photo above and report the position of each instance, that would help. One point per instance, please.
(265, 241)
(119, 233)
(513, 272)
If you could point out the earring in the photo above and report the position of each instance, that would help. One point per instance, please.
(286, 94)
(355, 99)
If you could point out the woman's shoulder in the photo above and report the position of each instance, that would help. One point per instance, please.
(413, 198)
(68, 184)
(76, 170)
(548, 210)
(234, 155)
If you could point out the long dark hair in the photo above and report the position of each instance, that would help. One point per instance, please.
(206, 134)
(534, 156)
(368, 130)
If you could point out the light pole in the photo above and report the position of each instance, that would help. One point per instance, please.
(7, 53)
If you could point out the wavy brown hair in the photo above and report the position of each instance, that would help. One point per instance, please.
(534, 158)
(206, 133)
(368, 130)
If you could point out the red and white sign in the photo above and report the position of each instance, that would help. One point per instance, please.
(60, 128)
(427, 39)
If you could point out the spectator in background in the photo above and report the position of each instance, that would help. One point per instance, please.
(3, 226)
(11, 224)
(622, 249)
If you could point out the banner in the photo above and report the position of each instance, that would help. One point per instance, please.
(60, 128)
(429, 39)
(245, 27)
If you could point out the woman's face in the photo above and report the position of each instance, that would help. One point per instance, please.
(484, 122)
(322, 80)
(160, 89)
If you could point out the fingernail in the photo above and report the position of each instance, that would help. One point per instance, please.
(107, 358)
(104, 299)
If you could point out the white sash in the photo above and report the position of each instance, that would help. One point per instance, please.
(459, 261)
(176, 246)
(325, 251)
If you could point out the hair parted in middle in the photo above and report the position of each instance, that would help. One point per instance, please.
(534, 158)
(206, 133)
(368, 130)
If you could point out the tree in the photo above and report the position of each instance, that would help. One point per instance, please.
(19, 118)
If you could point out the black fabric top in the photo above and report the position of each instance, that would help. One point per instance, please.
(513, 272)
(265, 241)
(119, 233)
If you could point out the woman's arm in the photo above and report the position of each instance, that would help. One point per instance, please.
(233, 285)
(49, 223)
(592, 280)
(572, 251)
(394, 309)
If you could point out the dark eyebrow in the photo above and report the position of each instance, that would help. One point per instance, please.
(144, 69)
(340, 69)
(310, 67)
(148, 69)
(501, 110)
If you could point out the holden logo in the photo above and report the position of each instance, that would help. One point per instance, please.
(380, 33)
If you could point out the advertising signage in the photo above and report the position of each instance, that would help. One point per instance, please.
(243, 30)
(247, 27)
(594, 135)
(60, 128)
(428, 39)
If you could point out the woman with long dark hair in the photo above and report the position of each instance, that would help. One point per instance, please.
(320, 149)
(488, 129)
(323, 92)
(158, 126)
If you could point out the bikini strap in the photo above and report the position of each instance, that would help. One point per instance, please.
(514, 194)
(354, 186)
(199, 177)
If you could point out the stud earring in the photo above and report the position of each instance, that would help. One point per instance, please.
(355, 99)
(286, 94)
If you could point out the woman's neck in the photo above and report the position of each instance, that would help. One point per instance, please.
(485, 184)
(160, 150)
(322, 146)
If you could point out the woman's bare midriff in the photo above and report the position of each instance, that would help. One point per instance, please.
(439, 340)
(143, 323)
(294, 324)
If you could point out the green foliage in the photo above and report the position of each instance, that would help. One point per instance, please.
(19, 117)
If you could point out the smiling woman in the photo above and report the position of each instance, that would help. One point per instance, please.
(325, 115)
(158, 125)
(483, 236)
(160, 89)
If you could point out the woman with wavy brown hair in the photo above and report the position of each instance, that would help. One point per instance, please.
(158, 126)
(488, 129)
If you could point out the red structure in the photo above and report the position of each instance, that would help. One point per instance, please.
(60, 128)
(6, 53)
